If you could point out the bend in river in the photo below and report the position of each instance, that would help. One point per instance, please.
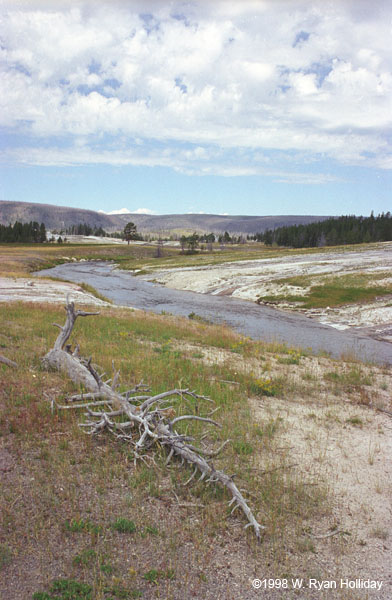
(257, 322)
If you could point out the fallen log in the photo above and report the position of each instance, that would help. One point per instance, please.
(148, 418)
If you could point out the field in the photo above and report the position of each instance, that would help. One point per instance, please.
(310, 442)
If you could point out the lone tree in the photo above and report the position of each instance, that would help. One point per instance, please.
(130, 232)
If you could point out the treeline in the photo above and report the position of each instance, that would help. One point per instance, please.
(32, 232)
(84, 229)
(331, 232)
(191, 242)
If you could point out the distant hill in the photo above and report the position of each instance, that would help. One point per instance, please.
(61, 217)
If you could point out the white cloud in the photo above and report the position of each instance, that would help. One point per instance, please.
(119, 211)
(143, 211)
(202, 87)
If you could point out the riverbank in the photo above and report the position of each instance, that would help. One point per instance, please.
(36, 290)
(287, 282)
(258, 322)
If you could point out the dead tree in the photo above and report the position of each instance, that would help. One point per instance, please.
(8, 362)
(136, 417)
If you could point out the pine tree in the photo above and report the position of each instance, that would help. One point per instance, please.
(130, 232)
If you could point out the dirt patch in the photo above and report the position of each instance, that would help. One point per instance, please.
(348, 449)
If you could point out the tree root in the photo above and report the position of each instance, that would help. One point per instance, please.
(140, 420)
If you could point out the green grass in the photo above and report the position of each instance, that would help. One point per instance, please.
(81, 525)
(337, 294)
(85, 558)
(356, 421)
(91, 290)
(155, 574)
(353, 378)
(66, 589)
(5, 555)
(124, 525)
(333, 291)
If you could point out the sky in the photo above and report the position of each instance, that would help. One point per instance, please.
(256, 107)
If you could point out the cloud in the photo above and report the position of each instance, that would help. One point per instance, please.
(143, 211)
(204, 88)
(119, 211)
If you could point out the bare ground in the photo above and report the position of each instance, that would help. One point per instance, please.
(335, 438)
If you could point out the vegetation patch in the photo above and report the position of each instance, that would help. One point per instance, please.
(124, 525)
(353, 378)
(81, 525)
(332, 291)
(66, 589)
(266, 386)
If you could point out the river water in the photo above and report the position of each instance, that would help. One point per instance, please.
(248, 318)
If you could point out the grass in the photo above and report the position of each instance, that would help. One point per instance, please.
(5, 555)
(124, 525)
(81, 525)
(265, 386)
(17, 260)
(66, 589)
(349, 379)
(91, 290)
(333, 291)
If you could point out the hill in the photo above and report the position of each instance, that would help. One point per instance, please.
(60, 217)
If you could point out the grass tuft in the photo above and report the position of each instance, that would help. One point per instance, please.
(124, 526)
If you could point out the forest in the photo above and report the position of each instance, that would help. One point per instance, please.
(331, 232)
(32, 232)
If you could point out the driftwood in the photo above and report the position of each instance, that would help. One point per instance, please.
(137, 417)
(8, 362)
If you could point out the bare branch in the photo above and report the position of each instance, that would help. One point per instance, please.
(195, 418)
(8, 362)
(327, 535)
(72, 406)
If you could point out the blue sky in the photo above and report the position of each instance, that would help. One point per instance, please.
(252, 107)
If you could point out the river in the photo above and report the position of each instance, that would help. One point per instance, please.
(248, 318)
